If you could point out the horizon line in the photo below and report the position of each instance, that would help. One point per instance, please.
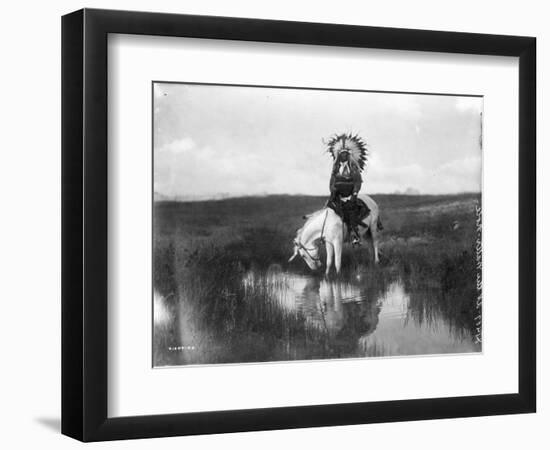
(221, 197)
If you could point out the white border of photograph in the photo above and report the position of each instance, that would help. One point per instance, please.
(135, 388)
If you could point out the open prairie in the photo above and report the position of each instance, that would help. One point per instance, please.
(225, 293)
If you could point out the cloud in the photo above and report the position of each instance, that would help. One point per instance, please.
(183, 145)
(461, 175)
(212, 140)
(185, 169)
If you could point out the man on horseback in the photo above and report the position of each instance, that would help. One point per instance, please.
(349, 153)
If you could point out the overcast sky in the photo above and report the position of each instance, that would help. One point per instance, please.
(226, 140)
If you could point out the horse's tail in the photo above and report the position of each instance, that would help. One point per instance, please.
(379, 225)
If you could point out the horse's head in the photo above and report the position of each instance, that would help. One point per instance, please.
(309, 254)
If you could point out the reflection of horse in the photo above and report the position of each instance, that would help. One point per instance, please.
(327, 226)
(343, 310)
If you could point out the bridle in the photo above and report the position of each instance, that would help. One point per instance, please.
(307, 250)
(321, 239)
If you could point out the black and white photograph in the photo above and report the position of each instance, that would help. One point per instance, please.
(296, 224)
(275, 225)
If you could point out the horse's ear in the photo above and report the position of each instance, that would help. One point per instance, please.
(294, 254)
(304, 217)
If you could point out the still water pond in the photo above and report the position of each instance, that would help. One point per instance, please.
(276, 315)
(383, 323)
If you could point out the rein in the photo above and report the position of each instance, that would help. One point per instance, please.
(322, 239)
(323, 228)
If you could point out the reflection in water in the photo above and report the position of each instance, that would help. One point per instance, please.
(161, 314)
(359, 320)
(402, 331)
(275, 316)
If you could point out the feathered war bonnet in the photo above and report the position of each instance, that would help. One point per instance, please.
(353, 144)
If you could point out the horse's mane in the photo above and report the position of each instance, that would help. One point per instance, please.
(309, 218)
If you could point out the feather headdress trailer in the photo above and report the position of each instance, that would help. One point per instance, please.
(353, 144)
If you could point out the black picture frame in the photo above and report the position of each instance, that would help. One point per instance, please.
(84, 224)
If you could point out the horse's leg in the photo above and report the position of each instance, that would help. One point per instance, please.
(374, 241)
(330, 255)
(338, 255)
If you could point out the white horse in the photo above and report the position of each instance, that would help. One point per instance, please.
(325, 226)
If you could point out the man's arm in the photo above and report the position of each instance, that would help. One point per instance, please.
(332, 180)
(357, 182)
(333, 174)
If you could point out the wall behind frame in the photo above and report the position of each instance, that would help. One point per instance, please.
(30, 229)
